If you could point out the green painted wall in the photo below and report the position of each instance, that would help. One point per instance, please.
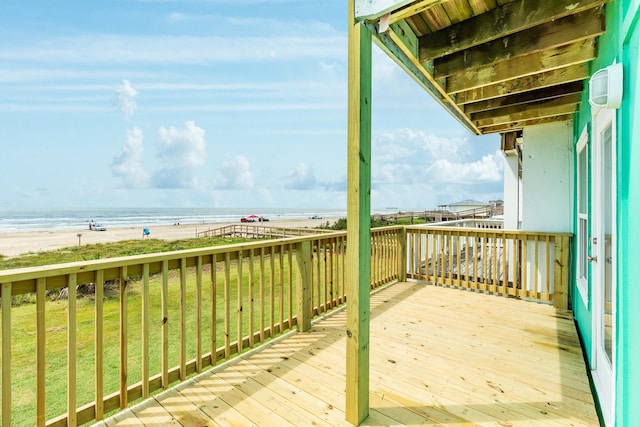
(607, 53)
(622, 43)
(628, 333)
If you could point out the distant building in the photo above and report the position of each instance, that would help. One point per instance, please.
(464, 205)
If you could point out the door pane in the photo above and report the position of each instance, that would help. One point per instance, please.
(608, 198)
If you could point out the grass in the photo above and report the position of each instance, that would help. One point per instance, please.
(24, 329)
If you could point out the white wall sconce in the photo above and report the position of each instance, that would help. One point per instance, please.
(605, 87)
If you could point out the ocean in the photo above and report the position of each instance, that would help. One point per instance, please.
(72, 219)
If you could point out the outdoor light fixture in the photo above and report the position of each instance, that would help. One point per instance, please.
(605, 87)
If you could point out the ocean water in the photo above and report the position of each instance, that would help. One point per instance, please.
(73, 219)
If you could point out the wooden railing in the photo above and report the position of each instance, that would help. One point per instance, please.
(511, 263)
(259, 231)
(152, 320)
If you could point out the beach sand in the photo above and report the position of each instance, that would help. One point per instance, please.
(21, 242)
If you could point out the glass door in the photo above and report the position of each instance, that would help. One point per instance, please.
(603, 244)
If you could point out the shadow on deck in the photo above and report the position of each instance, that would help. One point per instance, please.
(438, 356)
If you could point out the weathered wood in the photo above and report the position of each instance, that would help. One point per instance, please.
(227, 305)
(358, 218)
(214, 311)
(510, 18)
(537, 95)
(527, 122)
(183, 319)
(547, 60)
(536, 110)
(547, 79)
(415, 8)
(570, 29)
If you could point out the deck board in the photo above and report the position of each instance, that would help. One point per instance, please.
(438, 356)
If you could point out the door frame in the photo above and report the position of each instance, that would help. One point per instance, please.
(603, 372)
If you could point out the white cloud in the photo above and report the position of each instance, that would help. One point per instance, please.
(181, 152)
(302, 178)
(411, 164)
(487, 169)
(127, 98)
(236, 175)
(128, 164)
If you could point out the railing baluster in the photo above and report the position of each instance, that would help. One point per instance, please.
(290, 282)
(71, 351)
(227, 309)
(318, 282)
(164, 296)
(239, 303)
(41, 363)
(251, 300)
(145, 330)
(6, 353)
(281, 276)
(124, 335)
(198, 314)
(547, 289)
(99, 343)
(272, 295)
(183, 319)
(332, 292)
(214, 311)
(536, 268)
(525, 265)
(262, 286)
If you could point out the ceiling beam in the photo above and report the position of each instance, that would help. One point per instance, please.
(507, 113)
(528, 114)
(510, 18)
(522, 124)
(560, 57)
(584, 25)
(512, 87)
(526, 97)
(413, 9)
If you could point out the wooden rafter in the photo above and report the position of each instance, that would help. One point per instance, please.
(524, 123)
(537, 81)
(413, 9)
(526, 97)
(516, 16)
(529, 114)
(552, 59)
(570, 29)
(507, 114)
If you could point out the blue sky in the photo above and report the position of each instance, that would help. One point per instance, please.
(212, 103)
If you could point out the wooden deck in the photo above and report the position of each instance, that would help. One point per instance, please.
(438, 356)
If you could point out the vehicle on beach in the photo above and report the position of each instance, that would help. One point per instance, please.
(254, 218)
(315, 217)
(99, 227)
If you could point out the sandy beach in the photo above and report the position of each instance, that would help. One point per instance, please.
(20, 242)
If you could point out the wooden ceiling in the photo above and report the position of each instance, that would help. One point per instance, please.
(497, 65)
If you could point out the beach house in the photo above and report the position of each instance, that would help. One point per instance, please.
(558, 80)
(444, 325)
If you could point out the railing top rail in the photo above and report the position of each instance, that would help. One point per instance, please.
(30, 273)
(488, 230)
(264, 229)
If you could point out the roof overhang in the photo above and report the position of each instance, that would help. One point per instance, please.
(495, 65)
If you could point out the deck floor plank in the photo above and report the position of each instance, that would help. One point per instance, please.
(439, 356)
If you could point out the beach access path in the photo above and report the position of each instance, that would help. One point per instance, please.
(22, 242)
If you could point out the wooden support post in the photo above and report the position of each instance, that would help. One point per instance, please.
(303, 285)
(402, 255)
(561, 273)
(358, 219)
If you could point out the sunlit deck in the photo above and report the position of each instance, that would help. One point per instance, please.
(438, 356)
